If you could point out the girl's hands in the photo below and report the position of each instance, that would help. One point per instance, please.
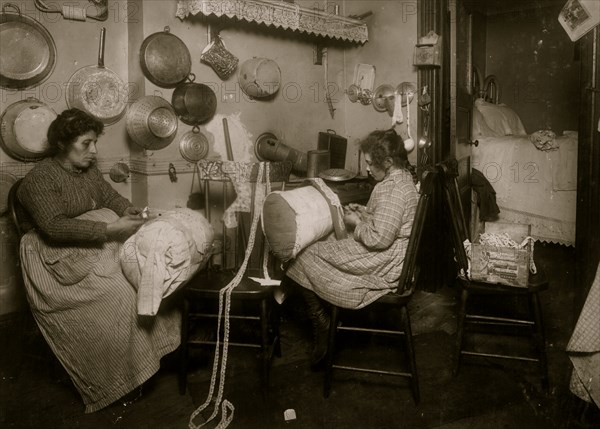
(351, 219)
(356, 208)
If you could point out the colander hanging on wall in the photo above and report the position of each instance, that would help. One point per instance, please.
(152, 122)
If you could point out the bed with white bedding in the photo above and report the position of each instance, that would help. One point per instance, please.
(534, 175)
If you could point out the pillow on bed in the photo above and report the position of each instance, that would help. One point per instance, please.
(500, 118)
(480, 127)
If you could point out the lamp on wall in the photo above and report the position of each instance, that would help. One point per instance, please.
(362, 88)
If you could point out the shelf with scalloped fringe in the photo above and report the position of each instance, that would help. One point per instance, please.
(287, 16)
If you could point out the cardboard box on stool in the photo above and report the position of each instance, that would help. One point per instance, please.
(504, 265)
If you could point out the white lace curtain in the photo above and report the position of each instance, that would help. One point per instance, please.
(283, 15)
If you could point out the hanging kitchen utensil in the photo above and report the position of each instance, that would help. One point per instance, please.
(408, 90)
(23, 129)
(424, 141)
(409, 143)
(259, 77)
(165, 60)
(98, 90)
(151, 122)
(327, 95)
(27, 50)
(75, 12)
(382, 96)
(194, 103)
(119, 172)
(216, 55)
(193, 146)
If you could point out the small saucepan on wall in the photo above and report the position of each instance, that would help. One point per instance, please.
(194, 103)
(119, 172)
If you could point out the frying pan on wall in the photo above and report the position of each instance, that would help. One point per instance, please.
(27, 50)
(164, 59)
(98, 90)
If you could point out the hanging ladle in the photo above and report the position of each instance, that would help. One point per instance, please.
(424, 141)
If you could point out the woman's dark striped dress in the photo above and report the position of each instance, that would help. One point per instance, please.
(82, 302)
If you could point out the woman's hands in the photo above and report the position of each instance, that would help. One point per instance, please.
(132, 211)
(126, 225)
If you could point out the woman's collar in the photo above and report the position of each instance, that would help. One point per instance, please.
(68, 167)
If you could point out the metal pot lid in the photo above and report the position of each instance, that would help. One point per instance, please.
(27, 50)
(337, 174)
(165, 59)
(193, 146)
(382, 94)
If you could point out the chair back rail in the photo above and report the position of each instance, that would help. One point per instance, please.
(456, 216)
(410, 269)
(17, 212)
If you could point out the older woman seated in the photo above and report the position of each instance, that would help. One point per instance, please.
(82, 302)
(354, 272)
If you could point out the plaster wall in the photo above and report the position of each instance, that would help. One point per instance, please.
(392, 37)
(296, 114)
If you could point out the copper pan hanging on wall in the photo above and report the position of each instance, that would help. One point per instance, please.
(195, 103)
(27, 50)
(165, 60)
(98, 90)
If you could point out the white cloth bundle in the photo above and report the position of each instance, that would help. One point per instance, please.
(164, 253)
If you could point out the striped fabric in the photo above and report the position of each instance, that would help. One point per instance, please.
(82, 302)
(54, 195)
(354, 272)
(87, 311)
